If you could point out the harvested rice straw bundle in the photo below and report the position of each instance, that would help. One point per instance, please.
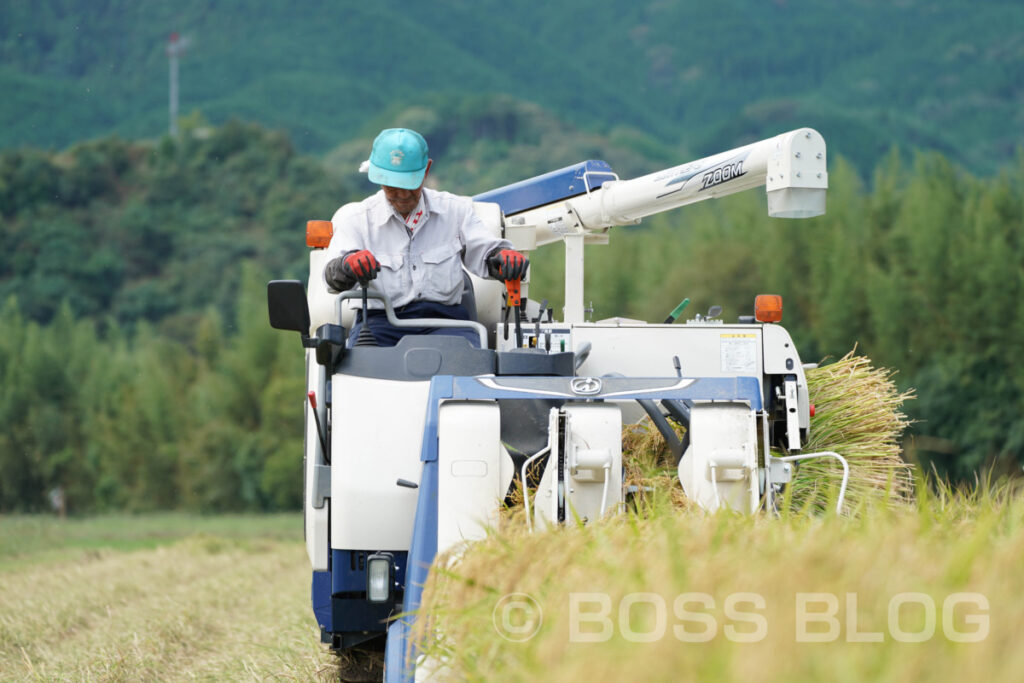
(858, 415)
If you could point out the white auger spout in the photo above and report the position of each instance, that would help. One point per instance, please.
(791, 167)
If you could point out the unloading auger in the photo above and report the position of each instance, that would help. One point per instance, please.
(411, 450)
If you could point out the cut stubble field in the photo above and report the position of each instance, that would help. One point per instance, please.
(157, 598)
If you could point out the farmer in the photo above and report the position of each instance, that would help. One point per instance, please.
(414, 241)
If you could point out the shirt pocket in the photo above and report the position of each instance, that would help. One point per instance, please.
(392, 262)
(442, 267)
(390, 279)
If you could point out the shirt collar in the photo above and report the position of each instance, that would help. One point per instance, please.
(418, 216)
(384, 211)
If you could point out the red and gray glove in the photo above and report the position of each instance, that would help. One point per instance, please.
(359, 266)
(507, 264)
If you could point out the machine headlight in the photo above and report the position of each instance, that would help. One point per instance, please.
(380, 577)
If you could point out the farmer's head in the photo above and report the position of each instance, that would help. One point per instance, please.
(399, 162)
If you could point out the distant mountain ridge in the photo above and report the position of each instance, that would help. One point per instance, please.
(943, 75)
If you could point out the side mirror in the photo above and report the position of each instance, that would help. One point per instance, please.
(287, 305)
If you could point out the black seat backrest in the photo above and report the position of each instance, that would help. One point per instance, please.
(468, 295)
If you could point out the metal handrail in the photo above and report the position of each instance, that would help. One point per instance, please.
(826, 454)
(394, 320)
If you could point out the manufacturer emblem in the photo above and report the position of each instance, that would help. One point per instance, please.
(586, 386)
(397, 156)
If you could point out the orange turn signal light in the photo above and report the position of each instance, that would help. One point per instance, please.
(319, 233)
(768, 308)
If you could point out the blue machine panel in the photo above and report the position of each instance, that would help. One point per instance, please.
(551, 187)
(321, 594)
(348, 569)
(338, 595)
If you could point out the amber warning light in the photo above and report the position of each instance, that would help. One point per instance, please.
(319, 233)
(768, 308)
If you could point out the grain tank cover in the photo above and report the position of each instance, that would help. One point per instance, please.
(555, 186)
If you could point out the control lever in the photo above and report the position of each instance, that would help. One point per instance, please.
(514, 299)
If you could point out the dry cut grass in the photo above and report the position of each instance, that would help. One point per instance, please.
(203, 607)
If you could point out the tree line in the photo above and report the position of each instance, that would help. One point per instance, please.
(142, 421)
(137, 369)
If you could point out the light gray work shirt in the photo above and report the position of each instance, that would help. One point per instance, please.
(420, 256)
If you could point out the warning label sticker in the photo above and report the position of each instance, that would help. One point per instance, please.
(739, 353)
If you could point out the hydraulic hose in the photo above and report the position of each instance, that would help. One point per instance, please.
(680, 412)
(675, 446)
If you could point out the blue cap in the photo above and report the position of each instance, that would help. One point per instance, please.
(398, 159)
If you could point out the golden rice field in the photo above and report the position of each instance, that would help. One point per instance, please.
(886, 596)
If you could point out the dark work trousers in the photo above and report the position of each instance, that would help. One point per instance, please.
(387, 334)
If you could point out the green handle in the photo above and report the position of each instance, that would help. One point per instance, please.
(676, 311)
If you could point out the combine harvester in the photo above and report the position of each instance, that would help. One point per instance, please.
(411, 450)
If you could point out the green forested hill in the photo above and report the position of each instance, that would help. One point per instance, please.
(700, 76)
(136, 367)
(154, 231)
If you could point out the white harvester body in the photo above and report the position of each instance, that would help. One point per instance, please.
(412, 450)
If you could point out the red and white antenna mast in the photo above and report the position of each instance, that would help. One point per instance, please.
(175, 46)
